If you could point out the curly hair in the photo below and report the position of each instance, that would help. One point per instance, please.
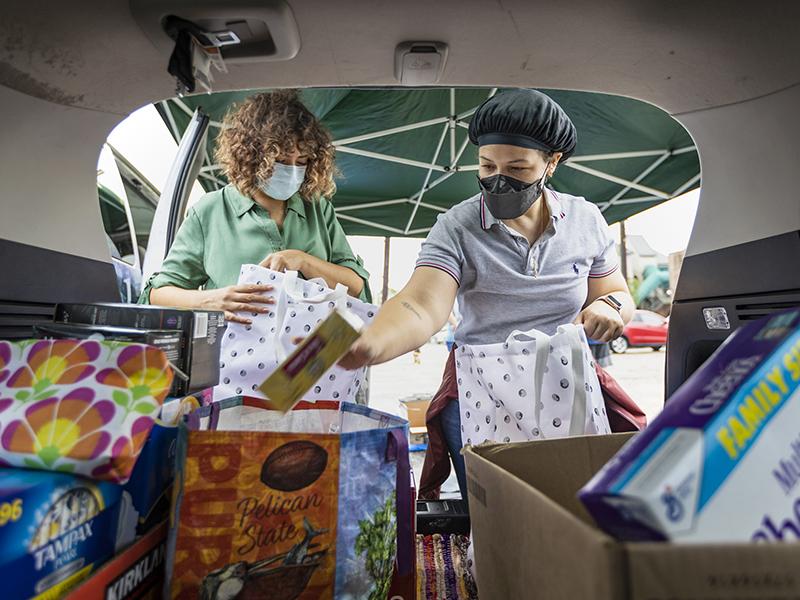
(265, 126)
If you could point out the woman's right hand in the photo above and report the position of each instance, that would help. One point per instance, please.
(234, 299)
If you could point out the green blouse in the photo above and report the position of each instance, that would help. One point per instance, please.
(226, 229)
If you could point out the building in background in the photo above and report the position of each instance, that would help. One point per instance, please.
(649, 275)
(641, 255)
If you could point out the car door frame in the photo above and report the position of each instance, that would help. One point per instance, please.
(174, 198)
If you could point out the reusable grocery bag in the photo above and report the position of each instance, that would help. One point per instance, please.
(250, 353)
(305, 504)
(80, 406)
(532, 386)
(150, 483)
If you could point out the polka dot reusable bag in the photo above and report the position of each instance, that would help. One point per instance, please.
(250, 353)
(532, 386)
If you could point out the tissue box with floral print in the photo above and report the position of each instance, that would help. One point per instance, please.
(79, 406)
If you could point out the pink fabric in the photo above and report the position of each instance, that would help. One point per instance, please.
(436, 468)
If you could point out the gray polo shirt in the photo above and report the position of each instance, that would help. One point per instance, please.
(504, 283)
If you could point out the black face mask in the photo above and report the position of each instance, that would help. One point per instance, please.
(510, 198)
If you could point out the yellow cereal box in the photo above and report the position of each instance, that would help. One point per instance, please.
(312, 359)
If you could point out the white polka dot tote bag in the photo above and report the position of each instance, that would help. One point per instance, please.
(250, 353)
(531, 387)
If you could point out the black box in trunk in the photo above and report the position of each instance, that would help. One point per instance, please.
(201, 334)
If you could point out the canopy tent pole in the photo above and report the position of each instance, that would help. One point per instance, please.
(189, 112)
(685, 186)
(387, 243)
(424, 187)
(437, 181)
(345, 217)
(618, 155)
(637, 200)
(171, 120)
(452, 125)
(645, 173)
(471, 111)
(218, 182)
(623, 250)
(420, 230)
(440, 209)
(652, 167)
(459, 154)
(371, 204)
(388, 158)
(384, 132)
(618, 180)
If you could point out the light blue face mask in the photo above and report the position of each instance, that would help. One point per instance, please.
(285, 181)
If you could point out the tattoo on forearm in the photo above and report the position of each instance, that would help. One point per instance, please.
(411, 308)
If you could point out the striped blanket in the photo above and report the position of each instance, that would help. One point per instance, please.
(442, 572)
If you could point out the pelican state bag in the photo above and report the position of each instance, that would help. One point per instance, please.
(309, 504)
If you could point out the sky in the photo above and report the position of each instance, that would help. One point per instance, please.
(145, 141)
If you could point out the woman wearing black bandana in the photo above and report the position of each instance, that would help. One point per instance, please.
(517, 256)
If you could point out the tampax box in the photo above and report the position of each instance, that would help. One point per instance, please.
(55, 530)
(201, 335)
(534, 539)
(721, 463)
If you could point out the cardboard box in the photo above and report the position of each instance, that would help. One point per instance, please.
(721, 463)
(135, 574)
(201, 334)
(417, 409)
(534, 539)
(165, 340)
(55, 530)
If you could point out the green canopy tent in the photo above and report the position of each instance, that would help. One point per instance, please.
(405, 158)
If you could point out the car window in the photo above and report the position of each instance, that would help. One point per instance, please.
(127, 204)
(651, 319)
(115, 223)
(142, 208)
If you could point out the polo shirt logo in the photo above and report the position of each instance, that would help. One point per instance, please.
(575, 268)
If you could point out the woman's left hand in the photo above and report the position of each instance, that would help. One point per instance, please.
(286, 260)
(601, 322)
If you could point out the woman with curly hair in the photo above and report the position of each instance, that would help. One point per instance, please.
(275, 212)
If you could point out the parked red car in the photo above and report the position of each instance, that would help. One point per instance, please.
(645, 329)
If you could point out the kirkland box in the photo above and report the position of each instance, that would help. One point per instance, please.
(202, 334)
(169, 341)
(135, 574)
(534, 539)
(55, 529)
(721, 463)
